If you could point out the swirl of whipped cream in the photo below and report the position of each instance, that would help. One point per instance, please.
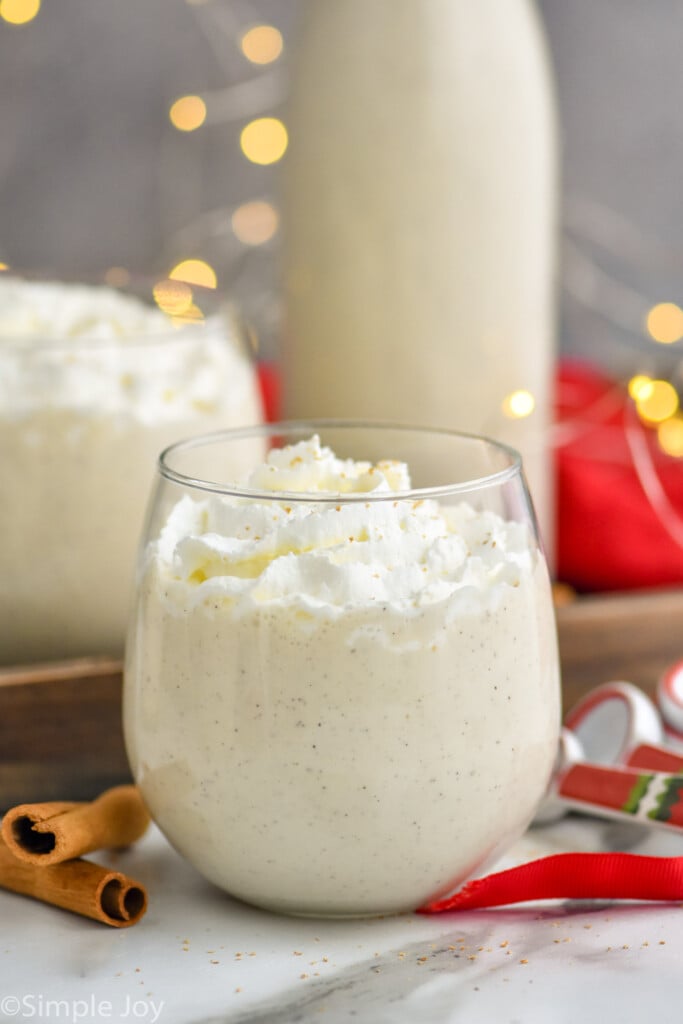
(404, 553)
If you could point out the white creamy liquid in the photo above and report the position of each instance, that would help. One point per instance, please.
(93, 385)
(340, 708)
(419, 216)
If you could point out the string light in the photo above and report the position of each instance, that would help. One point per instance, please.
(194, 271)
(247, 49)
(188, 113)
(664, 323)
(19, 12)
(658, 402)
(590, 225)
(640, 387)
(670, 436)
(262, 44)
(264, 140)
(255, 223)
(519, 404)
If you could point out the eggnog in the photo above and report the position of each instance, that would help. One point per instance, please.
(346, 706)
(93, 385)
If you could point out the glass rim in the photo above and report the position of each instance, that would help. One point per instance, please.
(500, 476)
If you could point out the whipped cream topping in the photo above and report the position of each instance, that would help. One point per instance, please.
(308, 467)
(52, 311)
(96, 351)
(406, 553)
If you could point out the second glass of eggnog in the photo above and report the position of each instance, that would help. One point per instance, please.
(94, 382)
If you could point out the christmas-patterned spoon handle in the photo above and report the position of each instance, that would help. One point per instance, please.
(650, 798)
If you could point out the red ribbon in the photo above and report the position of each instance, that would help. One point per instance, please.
(627, 876)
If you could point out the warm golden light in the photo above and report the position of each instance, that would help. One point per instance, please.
(19, 12)
(264, 140)
(188, 113)
(262, 44)
(659, 404)
(640, 386)
(117, 277)
(665, 323)
(191, 315)
(4, 266)
(519, 404)
(670, 436)
(256, 222)
(197, 272)
(173, 297)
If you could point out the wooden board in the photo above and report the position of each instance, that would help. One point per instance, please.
(633, 637)
(60, 731)
(60, 725)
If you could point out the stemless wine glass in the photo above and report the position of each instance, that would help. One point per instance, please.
(94, 382)
(341, 690)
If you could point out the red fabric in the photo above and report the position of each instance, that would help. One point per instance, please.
(269, 381)
(572, 876)
(608, 535)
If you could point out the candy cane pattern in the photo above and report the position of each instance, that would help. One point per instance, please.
(669, 800)
(649, 797)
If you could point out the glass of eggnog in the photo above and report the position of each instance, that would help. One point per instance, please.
(341, 689)
(94, 382)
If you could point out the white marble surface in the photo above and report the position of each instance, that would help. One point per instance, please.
(199, 956)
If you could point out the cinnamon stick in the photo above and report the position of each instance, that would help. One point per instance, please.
(50, 833)
(77, 885)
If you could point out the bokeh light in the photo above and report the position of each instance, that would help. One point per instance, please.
(665, 323)
(188, 113)
(256, 222)
(191, 315)
(19, 12)
(658, 403)
(264, 140)
(640, 386)
(173, 297)
(519, 404)
(262, 44)
(194, 271)
(670, 436)
(4, 266)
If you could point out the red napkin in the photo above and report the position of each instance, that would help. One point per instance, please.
(609, 537)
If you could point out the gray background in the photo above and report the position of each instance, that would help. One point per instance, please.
(93, 175)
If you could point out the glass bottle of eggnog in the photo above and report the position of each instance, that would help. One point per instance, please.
(419, 208)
